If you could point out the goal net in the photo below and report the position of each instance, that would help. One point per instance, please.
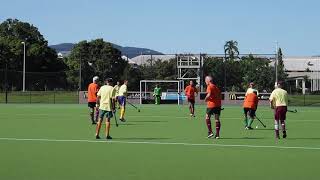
(171, 91)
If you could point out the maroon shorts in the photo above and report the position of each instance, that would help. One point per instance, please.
(280, 113)
(192, 101)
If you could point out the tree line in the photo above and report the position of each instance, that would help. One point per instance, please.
(45, 71)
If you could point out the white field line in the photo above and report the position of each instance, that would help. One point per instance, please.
(163, 143)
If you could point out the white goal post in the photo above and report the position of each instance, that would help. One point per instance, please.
(143, 92)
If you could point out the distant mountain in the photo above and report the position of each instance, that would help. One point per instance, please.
(130, 52)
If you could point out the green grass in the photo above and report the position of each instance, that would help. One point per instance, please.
(307, 100)
(82, 160)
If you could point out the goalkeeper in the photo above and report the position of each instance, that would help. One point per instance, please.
(157, 94)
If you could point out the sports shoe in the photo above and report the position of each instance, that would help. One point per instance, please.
(108, 137)
(249, 128)
(98, 137)
(210, 135)
(93, 122)
(122, 119)
(217, 137)
(284, 134)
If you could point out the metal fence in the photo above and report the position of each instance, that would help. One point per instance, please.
(45, 97)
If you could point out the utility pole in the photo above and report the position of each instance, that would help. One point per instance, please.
(24, 67)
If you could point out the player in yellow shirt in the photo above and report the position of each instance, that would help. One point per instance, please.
(116, 88)
(122, 96)
(279, 102)
(105, 102)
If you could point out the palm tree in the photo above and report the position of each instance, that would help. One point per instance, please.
(231, 50)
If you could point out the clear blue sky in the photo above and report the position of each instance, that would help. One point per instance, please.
(172, 26)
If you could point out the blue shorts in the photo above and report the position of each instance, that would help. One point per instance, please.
(122, 100)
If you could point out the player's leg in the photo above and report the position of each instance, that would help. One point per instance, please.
(208, 122)
(91, 112)
(99, 124)
(192, 107)
(96, 114)
(245, 121)
(217, 112)
(282, 120)
(109, 115)
(157, 100)
(123, 108)
(276, 123)
(251, 118)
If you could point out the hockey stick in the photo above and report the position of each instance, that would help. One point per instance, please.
(134, 106)
(293, 111)
(261, 122)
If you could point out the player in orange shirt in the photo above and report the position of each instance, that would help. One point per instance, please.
(93, 89)
(190, 92)
(250, 105)
(213, 100)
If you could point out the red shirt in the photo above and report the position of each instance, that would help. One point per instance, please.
(214, 99)
(190, 91)
(92, 92)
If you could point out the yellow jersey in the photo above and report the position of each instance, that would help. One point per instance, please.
(106, 94)
(123, 90)
(279, 97)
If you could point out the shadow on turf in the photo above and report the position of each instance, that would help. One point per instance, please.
(263, 129)
(137, 138)
(244, 138)
(150, 121)
(311, 138)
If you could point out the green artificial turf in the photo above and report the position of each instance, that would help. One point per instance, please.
(42, 141)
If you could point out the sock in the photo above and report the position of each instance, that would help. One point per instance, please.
(218, 125)
(245, 122)
(250, 122)
(208, 121)
(276, 127)
(122, 113)
(283, 125)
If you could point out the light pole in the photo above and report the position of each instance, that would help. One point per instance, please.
(80, 78)
(24, 67)
(276, 62)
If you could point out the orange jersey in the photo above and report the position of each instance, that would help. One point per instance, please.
(92, 92)
(215, 96)
(190, 91)
(251, 101)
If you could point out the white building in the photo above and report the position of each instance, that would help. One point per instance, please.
(300, 67)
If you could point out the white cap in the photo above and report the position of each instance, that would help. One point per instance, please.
(95, 79)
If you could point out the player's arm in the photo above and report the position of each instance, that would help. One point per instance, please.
(271, 99)
(207, 96)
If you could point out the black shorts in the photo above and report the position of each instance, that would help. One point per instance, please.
(192, 101)
(215, 110)
(92, 104)
(252, 112)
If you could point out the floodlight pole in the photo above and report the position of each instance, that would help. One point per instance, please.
(276, 62)
(80, 69)
(24, 67)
